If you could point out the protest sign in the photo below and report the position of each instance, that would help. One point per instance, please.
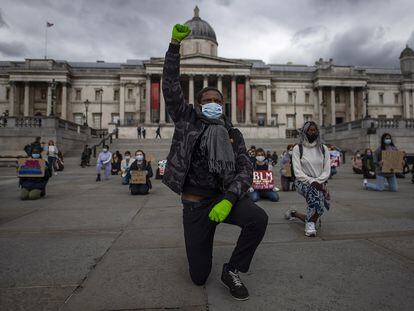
(31, 168)
(263, 180)
(138, 178)
(393, 161)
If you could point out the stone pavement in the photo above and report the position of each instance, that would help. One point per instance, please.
(92, 246)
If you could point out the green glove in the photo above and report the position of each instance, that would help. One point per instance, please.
(180, 32)
(220, 211)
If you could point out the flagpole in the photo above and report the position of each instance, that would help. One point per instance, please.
(46, 41)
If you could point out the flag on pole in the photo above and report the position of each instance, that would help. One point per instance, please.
(49, 24)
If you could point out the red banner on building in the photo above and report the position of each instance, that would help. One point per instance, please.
(240, 97)
(263, 180)
(155, 95)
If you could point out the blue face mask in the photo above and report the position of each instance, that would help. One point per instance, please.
(387, 141)
(212, 110)
(36, 155)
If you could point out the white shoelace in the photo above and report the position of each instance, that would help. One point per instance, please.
(236, 279)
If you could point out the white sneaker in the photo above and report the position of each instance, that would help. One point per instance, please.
(55, 174)
(289, 214)
(310, 229)
(364, 183)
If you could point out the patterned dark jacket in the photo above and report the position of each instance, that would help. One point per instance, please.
(188, 128)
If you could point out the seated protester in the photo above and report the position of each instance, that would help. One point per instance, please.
(311, 164)
(34, 188)
(252, 154)
(116, 163)
(368, 167)
(335, 159)
(261, 164)
(125, 165)
(140, 164)
(357, 163)
(286, 176)
(269, 157)
(85, 156)
(274, 158)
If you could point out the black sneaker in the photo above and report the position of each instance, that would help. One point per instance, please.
(98, 178)
(232, 281)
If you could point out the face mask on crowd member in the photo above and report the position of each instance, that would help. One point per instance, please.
(211, 101)
(105, 150)
(127, 155)
(260, 158)
(387, 141)
(139, 157)
(36, 155)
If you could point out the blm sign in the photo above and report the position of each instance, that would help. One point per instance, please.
(263, 180)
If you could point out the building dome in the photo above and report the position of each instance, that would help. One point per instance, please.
(200, 29)
(407, 52)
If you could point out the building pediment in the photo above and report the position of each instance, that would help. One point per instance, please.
(203, 60)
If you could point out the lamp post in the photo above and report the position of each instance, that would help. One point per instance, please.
(53, 101)
(294, 109)
(86, 103)
(366, 89)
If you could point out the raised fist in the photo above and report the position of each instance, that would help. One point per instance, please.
(180, 32)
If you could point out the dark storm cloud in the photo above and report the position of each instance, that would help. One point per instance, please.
(13, 49)
(302, 31)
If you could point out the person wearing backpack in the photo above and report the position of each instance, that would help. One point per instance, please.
(311, 166)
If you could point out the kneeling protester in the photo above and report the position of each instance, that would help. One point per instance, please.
(140, 172)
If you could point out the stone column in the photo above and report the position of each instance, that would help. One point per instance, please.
(162, 104)
(191, 90)
(233, 100)
(352, 103)
(138, 101)
(64, 113)
(26, 99)
(205, 81)
(220, 83)
(49, 100)
(12, 106)
(320, 105)
(122, 103)
(364, 103)
(248, 101)
(315, 105)
(148, 100)
(406, 104)
(333, 107)
(268, 104)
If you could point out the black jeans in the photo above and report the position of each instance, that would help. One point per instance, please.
(139, 189)
(199, 235)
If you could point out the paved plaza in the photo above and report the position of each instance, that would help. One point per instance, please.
(92, 246)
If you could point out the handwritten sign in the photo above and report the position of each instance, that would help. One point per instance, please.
(393, 161)
(287, 170)
(263, 180)
(31, 168)
(138, 178)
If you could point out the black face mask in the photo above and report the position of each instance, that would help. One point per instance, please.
(312, 137)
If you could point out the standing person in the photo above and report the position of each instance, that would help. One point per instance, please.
(286, 176)
(368, 166)
(141, 164)
(383, 178)
(262, 164)
(33, 188)
(209, 167)
(36, 144)
(52, 155)
(311, 165)
(104, 161)
(139, 132)
(125, 165)
(158, 132)
(144, 132)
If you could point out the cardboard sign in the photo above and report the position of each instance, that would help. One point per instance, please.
(393, 161)
(138, 178)
(287, 170)
(31, 168)
(263, 180)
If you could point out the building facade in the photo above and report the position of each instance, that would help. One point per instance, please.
(256, 94)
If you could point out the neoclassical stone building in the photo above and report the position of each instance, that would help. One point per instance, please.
(257, 95)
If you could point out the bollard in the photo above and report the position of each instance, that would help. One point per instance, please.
(94, 151)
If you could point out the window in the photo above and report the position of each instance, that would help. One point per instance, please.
(307, 96)
(116, 94)
(382, 116)
(77, 94)
(78, 118)
(96, 119)
(307, 117)
(396, 98)
(290, 96)
(97, 95)
(289, 121)
(261, 95)
(398, 116)
(129, 93)
(273, 96)
(274, 120)
(7, 93)
(381, 98)
(43, 94)
(337, 98)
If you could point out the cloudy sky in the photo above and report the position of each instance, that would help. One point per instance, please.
(352, 32)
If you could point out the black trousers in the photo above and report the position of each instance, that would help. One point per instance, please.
(139, 189)
(199, 235)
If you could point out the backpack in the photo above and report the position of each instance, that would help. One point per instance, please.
(301, 155)
(28, 149)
